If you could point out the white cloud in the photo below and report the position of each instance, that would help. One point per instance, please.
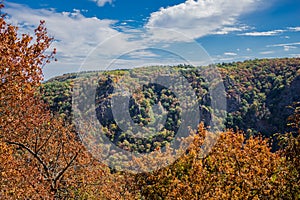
(75, 36)
(142, 54)
(272, 32)
(74, 33)
(230, 54)
(199, 18)
(263, 33)
(101, 3)
(287, 48)
(266, 52)
(227, 30)
(296, 29)
(284, 44)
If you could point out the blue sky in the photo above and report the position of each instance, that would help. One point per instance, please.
(107, 34)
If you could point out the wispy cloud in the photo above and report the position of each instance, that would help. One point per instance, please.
(271, 32)
(230, 54)
(296, 29)
(227, 30)
(266, 52)
(144, 53)
(263, 33)
(288, 48)
(284, 44)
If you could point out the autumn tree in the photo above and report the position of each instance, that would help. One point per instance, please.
(236, 168)
(41, 156)
(290, 143)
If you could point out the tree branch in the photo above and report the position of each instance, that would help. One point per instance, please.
(66, 167)
(34, 155)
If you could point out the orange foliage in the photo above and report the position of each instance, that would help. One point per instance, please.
(235, 169)
(41, 156)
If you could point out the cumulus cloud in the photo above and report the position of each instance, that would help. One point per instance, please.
(101, 3)
(73, 32)
(75, 35)
(199, 18)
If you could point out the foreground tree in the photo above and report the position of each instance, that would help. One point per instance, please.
(235, 169)
(41, 157)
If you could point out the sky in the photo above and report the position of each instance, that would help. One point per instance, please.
(110, 34)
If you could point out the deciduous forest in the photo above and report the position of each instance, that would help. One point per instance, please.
(256, 156)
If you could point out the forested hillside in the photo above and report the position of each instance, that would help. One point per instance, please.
(259, 94)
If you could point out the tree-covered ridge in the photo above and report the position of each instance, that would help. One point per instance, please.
(259, 93)
(263, 90)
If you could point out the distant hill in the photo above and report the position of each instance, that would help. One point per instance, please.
(259, 95)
